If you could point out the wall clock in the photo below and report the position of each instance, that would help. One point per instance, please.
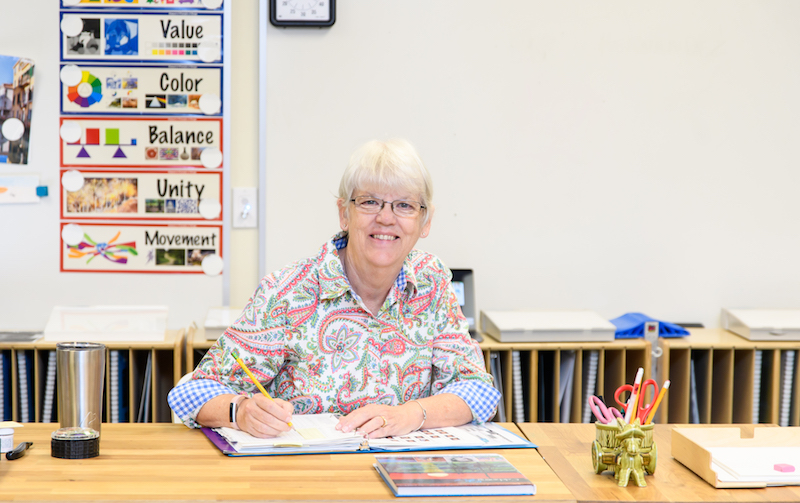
(302, 12)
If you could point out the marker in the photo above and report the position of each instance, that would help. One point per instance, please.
(630, 410)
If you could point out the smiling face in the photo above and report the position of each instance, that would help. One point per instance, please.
(379, 242)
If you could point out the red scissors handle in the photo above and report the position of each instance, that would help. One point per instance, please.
(622, 389)
(644, 410)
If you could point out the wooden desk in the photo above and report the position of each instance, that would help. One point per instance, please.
(169, 462)
(567, 449)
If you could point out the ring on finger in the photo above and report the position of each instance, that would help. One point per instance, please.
(384, 422)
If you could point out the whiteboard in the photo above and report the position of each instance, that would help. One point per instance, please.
(30, 281)
(616, 156)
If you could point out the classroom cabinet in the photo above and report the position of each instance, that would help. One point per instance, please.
(138, 377)
(532, 376)
(719, 377)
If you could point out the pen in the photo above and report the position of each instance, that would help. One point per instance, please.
(255, 381)
(658, 401)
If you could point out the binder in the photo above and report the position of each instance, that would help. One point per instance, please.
(49, 388)
(5, 385)
(25, 382)
(144, 402)
(496, 370)
(590, 382)
(113, 385)
(567, 373)
(519, 401)
(314, 433)
(788, 358)
(758, 361)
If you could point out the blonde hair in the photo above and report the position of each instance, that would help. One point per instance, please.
(391, 164)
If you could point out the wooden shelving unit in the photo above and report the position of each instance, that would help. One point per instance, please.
(166, 368)
(618, 362)
(724, 367)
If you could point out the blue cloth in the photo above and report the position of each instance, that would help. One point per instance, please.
(631, 326)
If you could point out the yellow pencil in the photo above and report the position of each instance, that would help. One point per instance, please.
(253, 378)
(658, 401)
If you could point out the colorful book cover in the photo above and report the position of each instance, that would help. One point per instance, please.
(452, 475)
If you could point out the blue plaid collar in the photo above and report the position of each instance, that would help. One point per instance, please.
(336, 284)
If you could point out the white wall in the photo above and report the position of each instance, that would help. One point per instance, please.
(615, 156)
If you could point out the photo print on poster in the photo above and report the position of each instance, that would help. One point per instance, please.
(16, 108)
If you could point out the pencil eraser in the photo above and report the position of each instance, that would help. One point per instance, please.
(783, 467)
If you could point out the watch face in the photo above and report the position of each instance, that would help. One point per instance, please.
(311, 11)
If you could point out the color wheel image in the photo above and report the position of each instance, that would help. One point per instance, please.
(88, 91)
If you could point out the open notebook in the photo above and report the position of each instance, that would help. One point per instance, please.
(317, 433)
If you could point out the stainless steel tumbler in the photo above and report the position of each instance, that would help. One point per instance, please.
(81, 369)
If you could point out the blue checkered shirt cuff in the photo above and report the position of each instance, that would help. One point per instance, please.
(481, 398)
(186, 399)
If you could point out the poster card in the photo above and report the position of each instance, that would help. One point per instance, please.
(141, 37)
(139, 248)
(141, 142)
(16, 108)
(141, 90)
(162, 195)
(212, 5)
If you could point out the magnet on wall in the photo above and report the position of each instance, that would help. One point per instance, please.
(71, 75)
(209, 103)
(71, 26)
(212, 265)
(13, 129)
(72, 234)
(211, 158)
(72, 180)
(71, 132)
(209, 209)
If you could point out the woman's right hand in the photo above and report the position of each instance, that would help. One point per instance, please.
(262, 417)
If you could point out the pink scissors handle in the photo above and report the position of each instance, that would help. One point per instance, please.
(603, 414)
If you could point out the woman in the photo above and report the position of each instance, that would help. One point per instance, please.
(369, 328)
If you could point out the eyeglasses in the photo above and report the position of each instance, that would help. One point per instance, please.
(401, 207)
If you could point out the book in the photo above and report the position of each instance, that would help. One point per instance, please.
(315, 433)
(452, 475)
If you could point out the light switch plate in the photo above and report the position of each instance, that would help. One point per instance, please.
(245, 207)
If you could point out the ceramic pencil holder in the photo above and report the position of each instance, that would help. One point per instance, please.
(628, 449)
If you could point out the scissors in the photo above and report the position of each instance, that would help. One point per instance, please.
(644, 410)
(603, 414)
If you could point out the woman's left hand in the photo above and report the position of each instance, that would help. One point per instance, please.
(377, 421)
